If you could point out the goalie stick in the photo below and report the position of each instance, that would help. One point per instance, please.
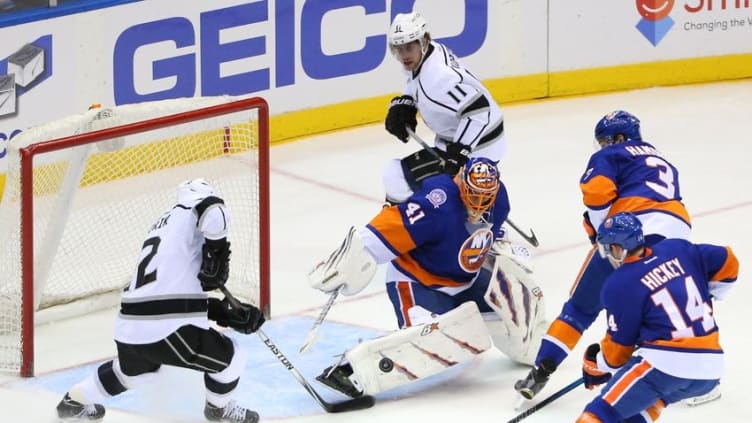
(359, 403)
(556, 395)
(531, 239)
(311, 338)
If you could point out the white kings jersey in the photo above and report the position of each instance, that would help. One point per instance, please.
(453, 103)
(165, 293)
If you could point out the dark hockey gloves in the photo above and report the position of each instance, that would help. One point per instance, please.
(456, 157)
(590, 372)
(215, 265)
(246, 319)
(589, 228)
(402, 112)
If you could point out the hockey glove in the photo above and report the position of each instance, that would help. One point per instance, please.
(589, 228)
(456, 157)
(591, 374)
(402, 113)
(246, 319)
(215, 264)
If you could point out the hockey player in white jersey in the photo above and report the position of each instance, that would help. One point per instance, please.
(453, 103)
(165, 312)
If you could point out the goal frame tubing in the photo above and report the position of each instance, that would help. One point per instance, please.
(27, 201)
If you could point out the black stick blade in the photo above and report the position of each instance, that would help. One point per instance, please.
(359, 403)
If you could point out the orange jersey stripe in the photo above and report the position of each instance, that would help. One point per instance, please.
(730, 269)
(564, 333)
(389, 225)
(598, 192)
(616, 355)
(626, 381)
(637, 204)
(707, 342)
(406, 300)
(593, 250)
(410, 266)
(654, 411)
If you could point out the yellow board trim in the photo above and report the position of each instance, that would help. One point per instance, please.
(286, 127)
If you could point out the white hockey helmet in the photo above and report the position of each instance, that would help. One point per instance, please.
(192, 191)
(406, 28)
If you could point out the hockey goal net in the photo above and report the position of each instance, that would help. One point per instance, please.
(81, 193)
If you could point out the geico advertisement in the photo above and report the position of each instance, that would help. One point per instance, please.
(296, 54)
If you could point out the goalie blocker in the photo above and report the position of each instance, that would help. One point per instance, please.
(515, 326)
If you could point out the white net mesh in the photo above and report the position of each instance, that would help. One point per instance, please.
(94, 203)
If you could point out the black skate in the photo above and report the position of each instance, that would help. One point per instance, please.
(339, 380)
(230, 413)
(535, 380)
(69, 410)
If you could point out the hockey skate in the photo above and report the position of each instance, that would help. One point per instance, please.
(338, 378)
(69, 410)
(535, 380)
(230, 413)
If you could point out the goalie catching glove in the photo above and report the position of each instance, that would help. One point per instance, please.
(402, 113)
(246, 319)
(350, 266)
(215, 264)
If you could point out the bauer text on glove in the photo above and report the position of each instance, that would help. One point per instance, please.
(402, 113)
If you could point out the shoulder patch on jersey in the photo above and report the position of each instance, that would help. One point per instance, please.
(587, 174)
(437, 197)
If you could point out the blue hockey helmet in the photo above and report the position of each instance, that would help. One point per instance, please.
(479, 183)
(616, 123)
(622, 229)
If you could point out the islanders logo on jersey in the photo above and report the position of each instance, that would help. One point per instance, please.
(655, 22)
(474, 250)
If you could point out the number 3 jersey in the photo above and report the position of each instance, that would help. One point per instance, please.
(663, 303)
(428, 239)
(165, 293)
(633, 176)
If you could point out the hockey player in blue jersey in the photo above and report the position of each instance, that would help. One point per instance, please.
(625, 173)
(453, 283)
(660, 300)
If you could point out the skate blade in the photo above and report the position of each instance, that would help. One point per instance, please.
(713, 395)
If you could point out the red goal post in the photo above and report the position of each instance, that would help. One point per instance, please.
(81, 193)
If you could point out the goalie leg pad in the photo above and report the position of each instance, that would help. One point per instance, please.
(520, 320)
(419, 351)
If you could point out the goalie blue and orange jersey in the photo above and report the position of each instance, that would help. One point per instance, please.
(663, 303)
(633, 176)
(428, 237)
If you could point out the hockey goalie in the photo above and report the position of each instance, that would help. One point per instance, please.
(456, 284)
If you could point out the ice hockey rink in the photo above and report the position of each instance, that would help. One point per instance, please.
(323, 184)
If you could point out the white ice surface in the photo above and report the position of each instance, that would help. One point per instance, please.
(323, 184)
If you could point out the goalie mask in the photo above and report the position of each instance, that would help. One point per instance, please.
(623, 230)
(479, 183)
(192, 191)
(407, 28)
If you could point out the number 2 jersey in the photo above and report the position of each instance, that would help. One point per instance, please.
(165, 293)
(428, 238)
(633, 176)
(663, 303)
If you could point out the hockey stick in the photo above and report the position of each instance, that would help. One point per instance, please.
(560, 393)
(532, 239)
(311, 338)
(359, 403)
